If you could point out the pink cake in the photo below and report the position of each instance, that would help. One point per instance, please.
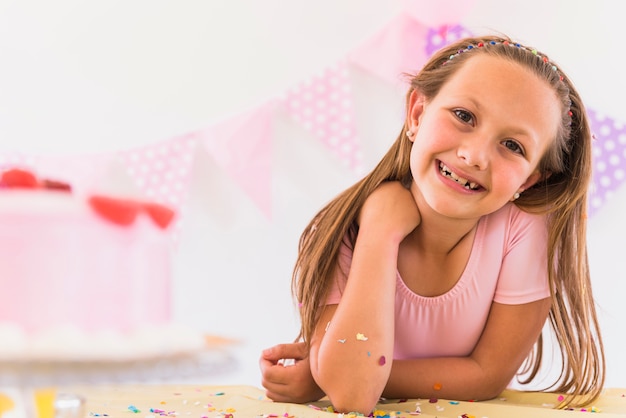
(83, 276)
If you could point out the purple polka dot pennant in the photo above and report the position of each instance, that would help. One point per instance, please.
(439, 37)
(609, 158)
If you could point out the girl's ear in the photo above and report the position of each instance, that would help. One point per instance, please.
(534, 178)
(415, 109)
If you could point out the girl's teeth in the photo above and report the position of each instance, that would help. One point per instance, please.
(449, 173)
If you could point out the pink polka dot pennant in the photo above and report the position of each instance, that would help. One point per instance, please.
(324, 106)
(162, 170)
(609, 158)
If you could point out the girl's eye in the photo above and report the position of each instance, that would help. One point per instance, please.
(464, 115)
(514, 146)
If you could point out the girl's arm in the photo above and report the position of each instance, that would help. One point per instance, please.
(508, 337)
(352, 347)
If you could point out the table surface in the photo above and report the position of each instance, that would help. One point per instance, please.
(249, 401)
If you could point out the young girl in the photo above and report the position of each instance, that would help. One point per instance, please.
(434, 275)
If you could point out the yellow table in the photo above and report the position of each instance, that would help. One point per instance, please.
(247, 401)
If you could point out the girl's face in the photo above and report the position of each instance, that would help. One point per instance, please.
(479, 141)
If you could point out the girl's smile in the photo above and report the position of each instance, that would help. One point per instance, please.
(465, 181)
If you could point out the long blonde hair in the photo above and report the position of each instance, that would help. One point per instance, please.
(562, 195)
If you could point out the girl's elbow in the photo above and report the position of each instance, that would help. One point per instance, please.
(492, 388)
(360, 401)
(348, 396)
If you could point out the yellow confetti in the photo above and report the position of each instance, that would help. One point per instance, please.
(6, 404)
(44, 402)
(361, 337)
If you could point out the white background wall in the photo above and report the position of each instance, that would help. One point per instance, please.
(99, 76)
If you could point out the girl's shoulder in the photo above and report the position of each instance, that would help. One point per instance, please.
(510, 222)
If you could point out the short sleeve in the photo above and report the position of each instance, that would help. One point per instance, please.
(523, 275)
(341, 274)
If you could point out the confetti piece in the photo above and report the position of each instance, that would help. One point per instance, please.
(44, 402)
(287, 362)
(6, 404)
(327, 326)
(433, 400)
(361, 337)
(561, 398)
(437, 386)
(382, 360)
(342, 341)
(133, 409)
(454, 402)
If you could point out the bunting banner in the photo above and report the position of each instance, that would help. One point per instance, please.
(162, 171)
(242, 146)
(609, 158)
(324, 106)
(397, 49)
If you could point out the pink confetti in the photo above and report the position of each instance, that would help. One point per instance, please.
(382, 360)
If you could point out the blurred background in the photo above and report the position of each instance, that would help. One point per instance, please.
(248, 116)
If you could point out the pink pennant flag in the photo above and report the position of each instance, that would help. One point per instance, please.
(81, 172)
(439, 13)
(324, 106)
(242, 146)
(162, 171)
(398, 49)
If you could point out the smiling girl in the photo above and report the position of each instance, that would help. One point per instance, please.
(435, 274)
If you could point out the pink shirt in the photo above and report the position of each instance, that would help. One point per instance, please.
(507, 264)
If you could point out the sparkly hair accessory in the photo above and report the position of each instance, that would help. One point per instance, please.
(533, 51)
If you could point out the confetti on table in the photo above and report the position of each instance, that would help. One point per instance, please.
(361, 337)
(133, 409)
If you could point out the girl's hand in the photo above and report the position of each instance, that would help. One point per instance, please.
(286, 374)
(391, 210)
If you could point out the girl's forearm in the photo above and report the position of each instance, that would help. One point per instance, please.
(355, 353)
(460, 378)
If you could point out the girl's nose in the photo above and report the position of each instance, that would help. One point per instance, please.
(474, 153)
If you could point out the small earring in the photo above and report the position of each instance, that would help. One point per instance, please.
(410, 133)
(516, 196)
